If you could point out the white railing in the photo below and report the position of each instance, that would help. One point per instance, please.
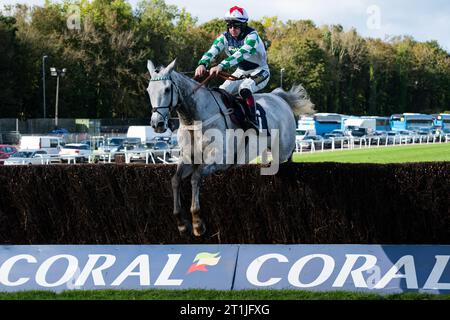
(148, 156)
(348, 143)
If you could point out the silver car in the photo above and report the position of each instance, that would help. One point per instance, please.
(79, 152)
(29, 156)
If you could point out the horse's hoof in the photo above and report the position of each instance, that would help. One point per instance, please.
(182, 229)
(199, 229)
(185, 228)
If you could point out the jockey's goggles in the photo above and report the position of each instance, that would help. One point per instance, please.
(231, 24)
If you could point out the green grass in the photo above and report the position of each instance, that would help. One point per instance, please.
(400, 154)
(211, 295)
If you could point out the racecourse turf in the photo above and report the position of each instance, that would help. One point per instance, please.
(381, 155)
(211, 295)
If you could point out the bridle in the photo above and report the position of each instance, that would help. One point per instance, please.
(170, 106)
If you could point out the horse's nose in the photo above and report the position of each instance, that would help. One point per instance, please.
(158, 126)
(155, 122)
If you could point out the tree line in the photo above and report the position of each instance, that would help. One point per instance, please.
(104, 45)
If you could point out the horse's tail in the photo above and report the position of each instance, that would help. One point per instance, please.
(298, 100)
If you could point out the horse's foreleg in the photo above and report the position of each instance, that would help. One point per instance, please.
(182, 171)
(197, 224)
(200, 171)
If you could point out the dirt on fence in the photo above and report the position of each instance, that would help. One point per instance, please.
(320, 203)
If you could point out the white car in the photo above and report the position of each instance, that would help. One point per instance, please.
(79, 152)
(112, 145)
(29, 156)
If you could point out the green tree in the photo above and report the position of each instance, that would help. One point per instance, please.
(106, 60)
(8, 67)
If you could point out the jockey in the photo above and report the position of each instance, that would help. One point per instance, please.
(246, 50)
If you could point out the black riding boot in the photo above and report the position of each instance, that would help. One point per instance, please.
(246, 94)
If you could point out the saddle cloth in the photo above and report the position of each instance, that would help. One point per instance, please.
(240, 110)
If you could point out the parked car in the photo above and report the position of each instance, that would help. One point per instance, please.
(407, 135)
(29, 156)
(358, 132)
(393, 136)
(378, 135)
(339, 132)
(318, 142)
(139, 152)
(304, 134)
(79, 151)
(6, 151)
(334, 134)
(112, 145)
(158, 149)
(131, 142)
(161, 149)
(337, 136)
(423, 131)
(59, 131)
(128, 144)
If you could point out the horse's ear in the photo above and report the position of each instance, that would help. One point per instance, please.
(170, 67)
(150, 67)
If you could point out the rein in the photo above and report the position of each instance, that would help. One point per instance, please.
(222, 74)
(226, 76)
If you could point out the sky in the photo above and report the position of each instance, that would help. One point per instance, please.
(423, 19)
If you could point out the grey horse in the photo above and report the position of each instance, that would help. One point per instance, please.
(201, 112)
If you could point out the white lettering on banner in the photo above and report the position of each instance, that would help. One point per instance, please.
(6, 267)
(255, 266)
(369, 266)
(144, 271)
(436, 273)
(357, 274)
(410, 273)
(327, 270)
(163, 279)
(45, 266)
(357, 270)
(97, 274)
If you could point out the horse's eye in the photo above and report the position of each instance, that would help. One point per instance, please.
(166, 90)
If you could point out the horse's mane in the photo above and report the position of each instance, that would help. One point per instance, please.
(185, 77)
(180, 74)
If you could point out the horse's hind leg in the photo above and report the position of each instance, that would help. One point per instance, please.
(198, 226)
(183, 170)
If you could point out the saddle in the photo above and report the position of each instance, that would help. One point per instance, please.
(240, 115)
